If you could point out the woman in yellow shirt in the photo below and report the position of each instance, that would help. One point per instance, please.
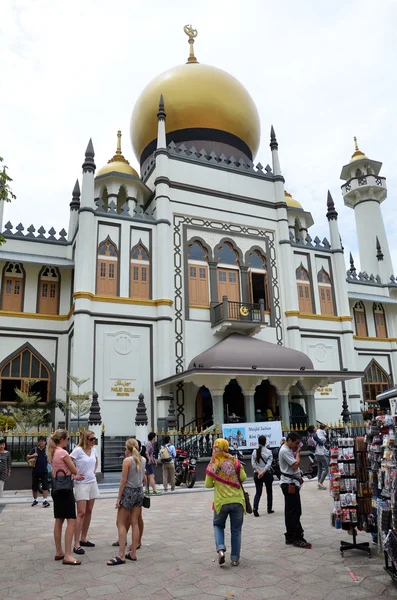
(224, 474)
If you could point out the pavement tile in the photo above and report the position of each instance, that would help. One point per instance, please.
(178, 559)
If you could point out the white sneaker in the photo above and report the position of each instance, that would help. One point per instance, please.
(173, 491)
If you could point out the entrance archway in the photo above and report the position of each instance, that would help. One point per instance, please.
(266, 402)
(204, 408)
(233, 403)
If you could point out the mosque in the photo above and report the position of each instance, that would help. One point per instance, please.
(201, 276)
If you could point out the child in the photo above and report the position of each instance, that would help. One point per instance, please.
(5, 465)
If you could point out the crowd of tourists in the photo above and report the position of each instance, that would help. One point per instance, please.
(75, 488)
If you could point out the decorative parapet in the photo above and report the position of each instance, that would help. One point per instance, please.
(39, 236)
(308, 242)
(239, 165)
(139, 212)
(374, 280)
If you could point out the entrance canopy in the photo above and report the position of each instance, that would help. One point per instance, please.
(246, 356)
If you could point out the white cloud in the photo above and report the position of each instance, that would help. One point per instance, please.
(319, 72)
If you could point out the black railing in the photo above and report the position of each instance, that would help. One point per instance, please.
(228, 310)
(19, 444)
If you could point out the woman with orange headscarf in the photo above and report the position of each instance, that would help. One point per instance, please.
(224, 473)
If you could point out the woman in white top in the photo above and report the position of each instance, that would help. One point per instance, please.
(261, 461)
(86, 491)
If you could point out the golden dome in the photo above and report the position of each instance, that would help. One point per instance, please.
(358, 155)
(118, 163)
(291, 202)
(196, 96)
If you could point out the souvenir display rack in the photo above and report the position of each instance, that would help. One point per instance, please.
(382, 460)
(350, 490)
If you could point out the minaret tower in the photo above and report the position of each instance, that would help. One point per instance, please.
(364, 191)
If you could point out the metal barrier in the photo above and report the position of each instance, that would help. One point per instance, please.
(19, 443)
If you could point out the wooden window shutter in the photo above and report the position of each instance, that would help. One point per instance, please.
(12, 294)
(361, 326)
(326, 300)
(380, 325)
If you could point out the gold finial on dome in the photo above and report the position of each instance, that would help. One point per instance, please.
(118, 157)
(191, 33)
(357, 152)
(118, 163)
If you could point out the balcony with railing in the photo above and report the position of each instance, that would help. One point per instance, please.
(231, 315)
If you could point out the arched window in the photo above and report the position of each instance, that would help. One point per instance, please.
(304, 291)
(121, 198)
(198, 275)
(376, 381)
(380, 321)
(225, 253)
(12, 287)
(107, 269)
(256, 263)
(48, 291)
(228, 279)
(22, 370)
(140, 272)
(325, 293)
(360, 319)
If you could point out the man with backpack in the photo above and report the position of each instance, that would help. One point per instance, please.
(317, 442)
(167, 457)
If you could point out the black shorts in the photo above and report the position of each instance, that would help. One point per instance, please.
(64, 505)
(38, 478)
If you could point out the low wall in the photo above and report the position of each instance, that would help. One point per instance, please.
(21, 477)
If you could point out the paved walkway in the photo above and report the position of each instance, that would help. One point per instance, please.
(177, 559)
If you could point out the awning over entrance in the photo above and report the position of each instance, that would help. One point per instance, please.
(239, 355)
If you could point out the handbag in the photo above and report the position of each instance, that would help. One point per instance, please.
(146, 502)
(63, 483)
(248, 507)
(32, 462)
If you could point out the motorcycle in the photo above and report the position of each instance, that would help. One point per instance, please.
(185, 468)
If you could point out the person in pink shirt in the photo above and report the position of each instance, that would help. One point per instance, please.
(64, 502)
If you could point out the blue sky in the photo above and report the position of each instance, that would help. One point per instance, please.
(320, 72)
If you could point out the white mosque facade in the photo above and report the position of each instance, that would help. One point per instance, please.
(200, 276)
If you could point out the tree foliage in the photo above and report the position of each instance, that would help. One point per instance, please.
(7, 422)
(29, 410)
(6, 193)
(77, 403)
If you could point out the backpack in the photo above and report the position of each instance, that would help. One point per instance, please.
(165, 455)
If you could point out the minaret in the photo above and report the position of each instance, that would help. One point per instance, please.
(74, 210)
(274, 149)
(163, 249)
(332, 217)
(364, 191)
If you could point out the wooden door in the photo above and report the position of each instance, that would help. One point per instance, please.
(107, 277)
(198, 286)
(326, 302)
(12, 294)
(140, 281)
(380, 325)
(228, 285)
(48, 297)
(361, 325)
(305, 298)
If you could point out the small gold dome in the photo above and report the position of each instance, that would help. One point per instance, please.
(196, 96)
(291, 202)
(358, 155)
(118, 163)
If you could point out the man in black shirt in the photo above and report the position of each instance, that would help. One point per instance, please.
(39, 471)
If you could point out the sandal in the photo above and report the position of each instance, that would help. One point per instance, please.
(115, 561)
(129, 557)
(59, 556)
(71, 562)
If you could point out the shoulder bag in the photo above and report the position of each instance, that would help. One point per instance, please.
(62, 483)
(248, 507)
(32, 461)
(146, 502)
